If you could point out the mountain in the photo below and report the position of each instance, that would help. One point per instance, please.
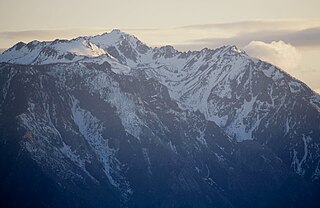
(107, 121)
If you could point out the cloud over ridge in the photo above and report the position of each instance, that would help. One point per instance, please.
(279, 53)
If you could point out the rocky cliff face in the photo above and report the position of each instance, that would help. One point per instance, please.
(108, 121)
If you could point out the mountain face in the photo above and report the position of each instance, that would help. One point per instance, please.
(106, 121)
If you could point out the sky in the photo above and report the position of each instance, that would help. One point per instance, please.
(285, 33)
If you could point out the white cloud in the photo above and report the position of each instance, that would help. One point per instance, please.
(279, 53)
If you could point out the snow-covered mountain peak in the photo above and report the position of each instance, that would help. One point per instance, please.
(126, 48)
(17, 46)
(114, 37)
(231, 50)
(109, 37)
(117, 31)
(79, 47)
(167, 51)
(57, 51)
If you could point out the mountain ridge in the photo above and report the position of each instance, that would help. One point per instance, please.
(155, 126)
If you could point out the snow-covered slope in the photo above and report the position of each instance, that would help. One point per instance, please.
(97, 133)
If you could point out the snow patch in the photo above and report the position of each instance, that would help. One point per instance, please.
(296, 163)
(91, 130)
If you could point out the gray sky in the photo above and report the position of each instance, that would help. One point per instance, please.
(263, 28)
(39, 14)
